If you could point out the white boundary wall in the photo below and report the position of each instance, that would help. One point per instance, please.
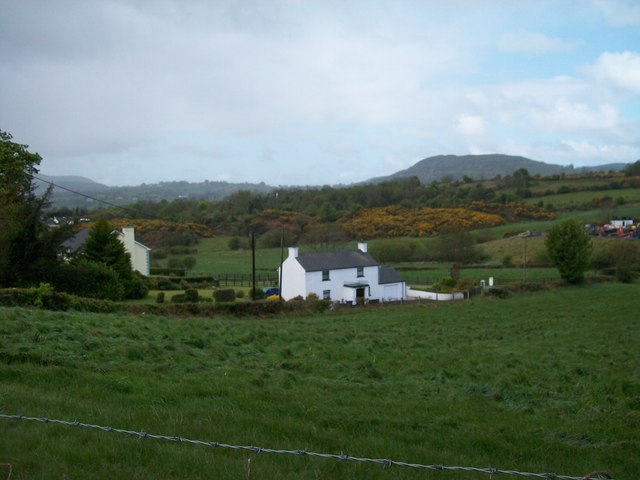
(438, 297)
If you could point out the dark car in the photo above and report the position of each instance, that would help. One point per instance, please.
(268, 291)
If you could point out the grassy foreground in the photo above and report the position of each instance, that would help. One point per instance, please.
(544, 382)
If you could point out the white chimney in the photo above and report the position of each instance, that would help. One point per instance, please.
(129, 234)
(293, 252)
(362, 246)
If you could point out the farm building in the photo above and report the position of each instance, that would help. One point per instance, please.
(349, 276)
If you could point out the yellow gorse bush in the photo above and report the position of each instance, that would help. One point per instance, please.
(399, 221)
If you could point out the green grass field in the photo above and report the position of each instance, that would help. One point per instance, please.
(544, 382)
(577, 199)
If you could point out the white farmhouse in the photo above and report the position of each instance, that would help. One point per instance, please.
(349, 276)
(138, 252)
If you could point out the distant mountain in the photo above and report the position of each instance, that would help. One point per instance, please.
(72, 182)
(480, 167)
(75, 191)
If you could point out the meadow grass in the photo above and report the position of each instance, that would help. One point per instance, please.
(544, 382)
(215, 258)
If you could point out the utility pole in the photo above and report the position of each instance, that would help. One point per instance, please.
(253, 265)
(281, 262)
(525, 235)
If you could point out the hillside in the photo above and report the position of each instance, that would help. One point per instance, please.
(428, 170)
(72, 182)
(456, 167)
(65, 186)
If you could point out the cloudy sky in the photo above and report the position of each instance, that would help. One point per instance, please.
(307, 92)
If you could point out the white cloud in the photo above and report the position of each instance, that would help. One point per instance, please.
(592, 153)
(134, 89)
(565, 116)
(620, 69)
(532, 42)
(471, 125)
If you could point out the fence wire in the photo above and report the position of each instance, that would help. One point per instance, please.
(341, 457)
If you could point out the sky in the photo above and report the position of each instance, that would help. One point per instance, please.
(307, 92)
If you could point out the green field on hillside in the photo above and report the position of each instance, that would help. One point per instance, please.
(544, 382)
(577, 199)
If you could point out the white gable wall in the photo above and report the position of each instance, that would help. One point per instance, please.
(293, 279)
(139, 253)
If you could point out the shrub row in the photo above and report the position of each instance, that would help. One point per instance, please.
(45, 297)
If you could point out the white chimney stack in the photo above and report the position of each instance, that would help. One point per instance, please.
(293, 252)
(362, 246)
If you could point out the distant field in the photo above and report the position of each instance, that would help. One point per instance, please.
(544, 382)
(570, 200)
(214, 257)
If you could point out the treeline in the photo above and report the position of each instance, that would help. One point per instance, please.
(328, 214)
(236, 214)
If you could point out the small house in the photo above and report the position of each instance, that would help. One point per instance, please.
(349, 276)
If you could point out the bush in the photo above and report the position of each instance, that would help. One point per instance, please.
(626, 258)
(178, 272)
(569, 249)
(136, 287)
(191, 295)
(180, 298)
(85, 278)
(224, 295)
(445, 285)
(394, 250)
(45, 297)
(160, 297)
(234, 243)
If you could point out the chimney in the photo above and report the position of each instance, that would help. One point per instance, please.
(362, 246)
(293, 252)
(129, 239)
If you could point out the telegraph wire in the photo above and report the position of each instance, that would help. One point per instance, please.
(122, 207)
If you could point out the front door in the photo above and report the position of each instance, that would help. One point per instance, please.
(360, 295)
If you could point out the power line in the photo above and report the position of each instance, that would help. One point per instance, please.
(132, 210)
(342, 457)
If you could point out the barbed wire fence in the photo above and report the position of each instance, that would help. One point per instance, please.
(331, 456)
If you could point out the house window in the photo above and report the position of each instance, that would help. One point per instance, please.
(325, 276)
(326, 294)
(361, 271)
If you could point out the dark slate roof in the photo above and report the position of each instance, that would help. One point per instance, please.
(76, 242)
(314, 262)
(389, 275)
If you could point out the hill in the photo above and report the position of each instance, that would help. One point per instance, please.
(92, 193)
(72, 182)
(456, 167)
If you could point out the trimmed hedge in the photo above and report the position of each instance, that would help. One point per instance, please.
(45, 297)
(224, 295)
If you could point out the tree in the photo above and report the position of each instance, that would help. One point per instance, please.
(28, 248)
(104, 246)
(569, 248)
(458, 247)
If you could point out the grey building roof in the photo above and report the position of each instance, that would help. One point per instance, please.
(75, 243)
(318, 261)
(389, 275)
